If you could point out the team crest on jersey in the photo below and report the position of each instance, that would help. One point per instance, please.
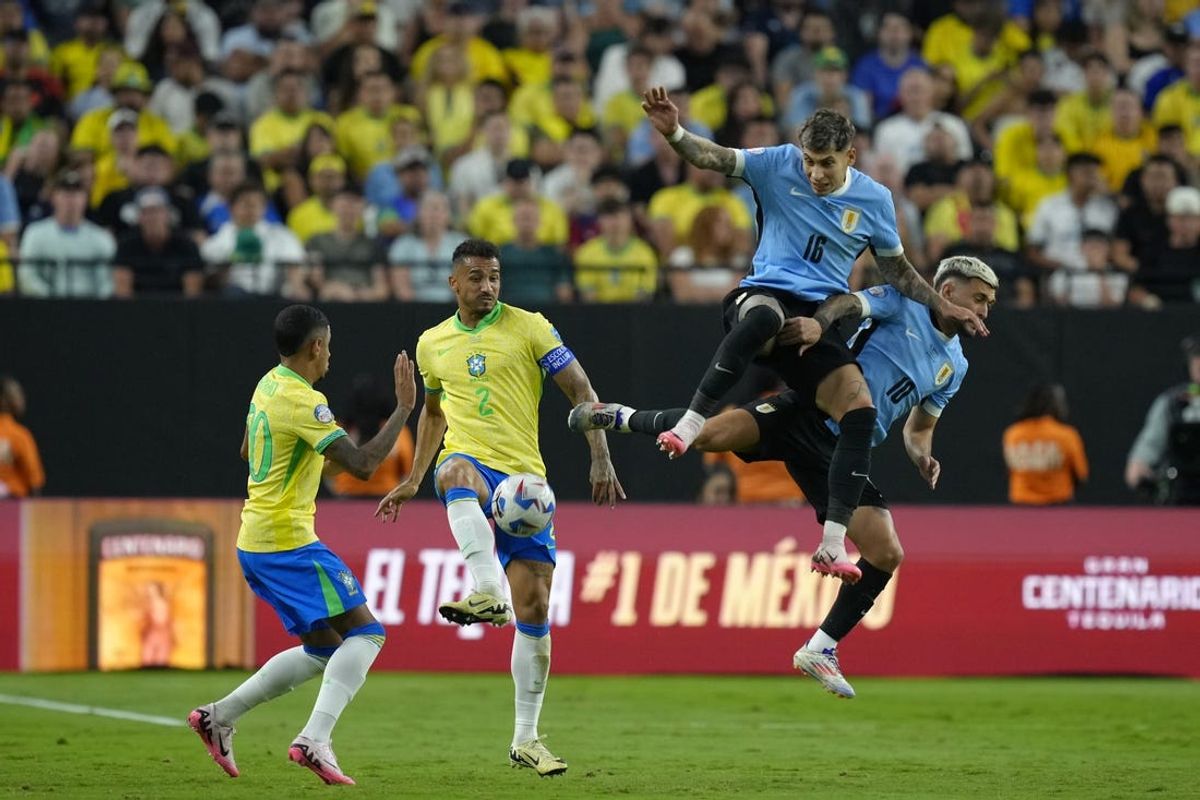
(323, 414)
(943, 374)
(878, 291)
(348, 581)
(477, 365)
(850, 218)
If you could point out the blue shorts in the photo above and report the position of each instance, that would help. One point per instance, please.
(539, 547)
(305, 586)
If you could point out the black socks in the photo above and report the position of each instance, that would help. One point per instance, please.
(851, 464)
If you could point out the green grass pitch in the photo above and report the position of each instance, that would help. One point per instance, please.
(446, 736)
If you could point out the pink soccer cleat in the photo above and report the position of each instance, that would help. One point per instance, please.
(835, 562)
(823, 666)
(670, 443)
(217, 738)
(319, 757)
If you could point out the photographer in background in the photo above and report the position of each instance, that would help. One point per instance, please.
(1165, 458)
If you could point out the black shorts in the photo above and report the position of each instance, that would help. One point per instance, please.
(802, 373)
(792, 429)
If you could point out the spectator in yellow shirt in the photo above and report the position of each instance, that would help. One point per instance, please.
(74, 62)
(276, 136)
(447, 98)
(569, 110)
(364, 133)
(131, 90)
(710, 104)
(461, 30)
(948, 218)
(1082, 117)
(492, 217)
(1016, 144)
(1179, 103)
(12, 20)
(114, 168)
(1048, 175)
(672, 210)
(327, 176)
(533, 101)
(1129, 143)
(537, 32)
(622, 114)
(616, 266)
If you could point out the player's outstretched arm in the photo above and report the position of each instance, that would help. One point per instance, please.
(918, 443)
(361, 462)
(696, 150)
(899, 272)
(606, 489)
(431, 427)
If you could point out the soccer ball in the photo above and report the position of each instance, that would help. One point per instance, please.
(522, 504)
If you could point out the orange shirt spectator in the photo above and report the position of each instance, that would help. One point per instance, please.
(394, 469)
(21, 471)
(759, 481)
(1044, 455)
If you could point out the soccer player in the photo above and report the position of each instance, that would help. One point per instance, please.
(913, 363)
(818, 214)
(290, 434)
(483, 370)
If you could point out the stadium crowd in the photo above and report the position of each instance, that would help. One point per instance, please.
(339, 150)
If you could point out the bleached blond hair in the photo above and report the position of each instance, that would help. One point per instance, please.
(965, 267)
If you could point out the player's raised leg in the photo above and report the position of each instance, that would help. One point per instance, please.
(844, 395)
(874, 533)
(530, 581)
(755, 321)
(361, 638)
(463, 491)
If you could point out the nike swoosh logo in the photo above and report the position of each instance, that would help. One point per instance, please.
(443, 352)
(859, 475)
(794, 193)
(719, 368)
(909, 332)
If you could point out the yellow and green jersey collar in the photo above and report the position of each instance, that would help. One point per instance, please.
(491, 317)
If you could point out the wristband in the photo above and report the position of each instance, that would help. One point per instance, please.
(677, 135)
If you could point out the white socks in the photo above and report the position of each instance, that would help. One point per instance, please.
(282, 673)
(530, 668)
(623, 417)
(344, 676)
(688, 427)
(834, 536)
(821, 641)
(477, 544)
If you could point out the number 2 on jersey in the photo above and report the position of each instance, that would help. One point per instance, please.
(484, 394)
(815, 249)
(258, 419)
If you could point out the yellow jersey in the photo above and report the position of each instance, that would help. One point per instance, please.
(681, 204)
(492, 218)
(365, 140)
(490, 381)
(624, 110)
(92, 133)
(1028, 187)
(310, 218)
(484, 61)
(1120, 156)
(606, 275)
(74, 63)
(288, 427)
(1080, 123)
(1179, 104)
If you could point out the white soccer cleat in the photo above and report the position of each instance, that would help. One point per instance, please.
(534, 755)
(217, 738)
(319, 757)
(823, 665)
(596, 417)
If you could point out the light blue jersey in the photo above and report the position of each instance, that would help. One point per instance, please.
(905, 358)
(808, 242)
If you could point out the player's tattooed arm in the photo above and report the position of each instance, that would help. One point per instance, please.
(705, 154)
(806, 331)
(361, 462)
(606, 489)
(900, 273)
